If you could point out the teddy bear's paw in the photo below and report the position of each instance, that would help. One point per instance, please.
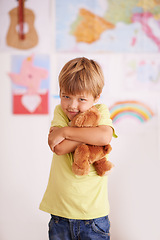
(102, 166)
(107, 149)
(80, 171)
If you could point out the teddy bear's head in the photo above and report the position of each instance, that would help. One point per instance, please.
(90, 118)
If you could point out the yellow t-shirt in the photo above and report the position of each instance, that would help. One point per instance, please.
(71, 196)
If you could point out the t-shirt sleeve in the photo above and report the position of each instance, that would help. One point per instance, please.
(60, 119)
(105, 117)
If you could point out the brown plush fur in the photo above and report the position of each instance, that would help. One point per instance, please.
(85, 154)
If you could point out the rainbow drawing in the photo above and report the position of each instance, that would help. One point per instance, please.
(135, 109)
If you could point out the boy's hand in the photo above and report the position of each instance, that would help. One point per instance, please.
(55, 137)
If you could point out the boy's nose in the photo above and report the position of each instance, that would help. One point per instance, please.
(73, 104)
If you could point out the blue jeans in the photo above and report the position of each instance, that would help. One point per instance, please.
(70, 229)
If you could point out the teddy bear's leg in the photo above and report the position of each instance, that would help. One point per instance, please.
(81, 164)
(102, 166)
(98, 152)
(80, 171)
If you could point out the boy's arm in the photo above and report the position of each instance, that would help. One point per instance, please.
(100, 135)
(63, 146)
(66, 139)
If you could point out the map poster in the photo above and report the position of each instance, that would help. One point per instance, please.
(108, 25)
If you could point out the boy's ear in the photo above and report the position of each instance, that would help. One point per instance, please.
(97, 98)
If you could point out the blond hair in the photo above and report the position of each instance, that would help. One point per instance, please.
(81, 75)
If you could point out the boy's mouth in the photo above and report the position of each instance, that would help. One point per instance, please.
(73, 113)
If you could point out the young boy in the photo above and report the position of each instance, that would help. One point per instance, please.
(78, 205)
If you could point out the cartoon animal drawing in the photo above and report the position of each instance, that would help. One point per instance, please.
(30, 76)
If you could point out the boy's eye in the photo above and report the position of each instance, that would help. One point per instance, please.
(65, 96)
(83, 99)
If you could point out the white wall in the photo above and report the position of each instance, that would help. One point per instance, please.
(25, 161)
(24, 167)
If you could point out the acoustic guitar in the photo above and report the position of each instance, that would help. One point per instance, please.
(30, 38)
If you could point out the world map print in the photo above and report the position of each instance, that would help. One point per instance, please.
(108, 25)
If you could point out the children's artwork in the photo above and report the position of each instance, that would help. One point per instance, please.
(25, 28)
(30, 84)
(132, 109)
(108, 25)
(143, 72)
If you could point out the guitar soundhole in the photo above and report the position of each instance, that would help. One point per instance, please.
(25, 28)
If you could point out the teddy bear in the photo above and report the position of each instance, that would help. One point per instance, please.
(86, 154)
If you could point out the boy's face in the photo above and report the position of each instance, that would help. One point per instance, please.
(73, 104)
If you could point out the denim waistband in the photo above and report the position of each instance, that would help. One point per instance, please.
(58, 218)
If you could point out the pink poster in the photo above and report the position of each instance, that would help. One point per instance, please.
(30, 84)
